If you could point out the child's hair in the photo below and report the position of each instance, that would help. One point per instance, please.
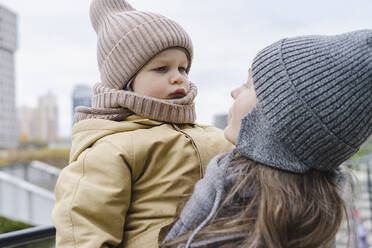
(268, 207)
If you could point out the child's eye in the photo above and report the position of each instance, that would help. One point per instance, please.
(161, 69)
(181, 69)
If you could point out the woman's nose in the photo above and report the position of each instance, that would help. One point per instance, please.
(235, 93)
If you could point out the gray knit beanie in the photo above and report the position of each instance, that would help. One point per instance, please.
(128, 39)
(314, 105)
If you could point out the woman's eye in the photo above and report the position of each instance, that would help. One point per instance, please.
(161, 69)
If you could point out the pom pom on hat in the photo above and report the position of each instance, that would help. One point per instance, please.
(102, 9)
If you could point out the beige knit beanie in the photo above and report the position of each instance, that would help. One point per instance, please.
(127, 40)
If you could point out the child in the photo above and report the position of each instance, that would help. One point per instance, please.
(136, 154)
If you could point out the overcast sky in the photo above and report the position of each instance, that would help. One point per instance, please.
(57, 44)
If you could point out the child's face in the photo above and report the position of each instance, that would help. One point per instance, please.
(245, 100)
(164, 76)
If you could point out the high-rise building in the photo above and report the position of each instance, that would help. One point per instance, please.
(8, 46)
(40, 123)
(47, 118)
(81, 96)
(27, 123)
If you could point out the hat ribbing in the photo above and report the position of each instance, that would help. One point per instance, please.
(314, 102)
(117, 105)
(128, 39)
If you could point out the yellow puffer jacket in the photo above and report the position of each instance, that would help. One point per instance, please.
(126, 179)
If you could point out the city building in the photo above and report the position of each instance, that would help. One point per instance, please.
(40, 123)
(81, 96)
(8, 45)
(220, 120)
(47, 118)
(27, 123)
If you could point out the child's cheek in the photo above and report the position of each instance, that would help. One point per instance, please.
(188, 86)
(160, 91)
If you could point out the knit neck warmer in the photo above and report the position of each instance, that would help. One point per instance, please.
(117, 105)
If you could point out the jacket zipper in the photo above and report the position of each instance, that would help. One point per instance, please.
(195, 147)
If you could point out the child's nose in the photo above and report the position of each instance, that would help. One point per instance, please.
(177, 78)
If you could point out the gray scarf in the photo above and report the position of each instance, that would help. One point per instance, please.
(207, 197)
(208, 194)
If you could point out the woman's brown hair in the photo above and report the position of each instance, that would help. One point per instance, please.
(272, 208)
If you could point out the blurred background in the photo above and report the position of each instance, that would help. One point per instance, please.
(48, 66)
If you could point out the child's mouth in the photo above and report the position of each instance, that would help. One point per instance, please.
(178, 94)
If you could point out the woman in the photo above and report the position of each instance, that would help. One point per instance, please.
(305, 109)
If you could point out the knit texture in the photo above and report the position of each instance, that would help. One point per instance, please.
(117, 105)
(127, 40)
(314, 102)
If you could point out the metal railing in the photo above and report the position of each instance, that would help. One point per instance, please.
(43, 237)
(29, 236)
(23, 201)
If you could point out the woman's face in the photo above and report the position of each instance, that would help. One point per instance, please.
(245, 100)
